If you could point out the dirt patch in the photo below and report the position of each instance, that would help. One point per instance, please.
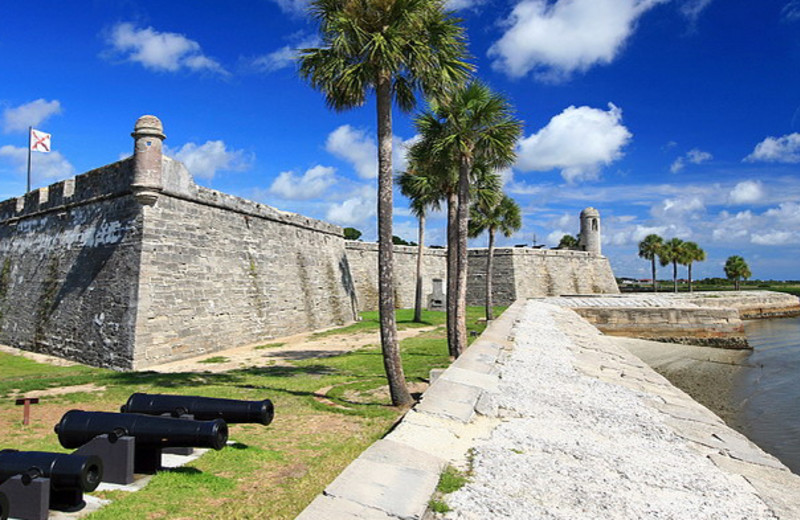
(62, 390)
(293, 348)
(39, 358)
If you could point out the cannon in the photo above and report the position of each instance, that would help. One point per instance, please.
(69, 475)
(3, 506)
(201, 408)
(150, 434)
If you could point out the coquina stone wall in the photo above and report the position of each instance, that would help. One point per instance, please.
(518, 273)
(219, 271)
(69, 265)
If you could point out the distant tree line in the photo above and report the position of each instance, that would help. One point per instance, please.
(678, 252)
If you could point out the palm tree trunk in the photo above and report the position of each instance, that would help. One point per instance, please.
(674, 276)
(461, 289)
(391, 353)
(655, 286)
(489, 274)
(420, 250)
(690, 277)
(452, 268)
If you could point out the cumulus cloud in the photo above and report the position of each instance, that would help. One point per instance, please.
(204, 161)
(162, 51)
(578, 141)
(784, 149)
(746, 192)
(775, 238)
(18, 119)
(694, 156)
(359, 149)
(787, 213)
(554, 39)
(355, 210)
(44, 166)
(313, 183)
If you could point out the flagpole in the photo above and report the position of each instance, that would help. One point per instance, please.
(30, 130)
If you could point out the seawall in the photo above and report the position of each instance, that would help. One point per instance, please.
(560, 422)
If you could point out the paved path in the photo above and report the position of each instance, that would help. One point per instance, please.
(562, 423)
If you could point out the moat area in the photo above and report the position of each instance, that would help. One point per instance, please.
(767, 392)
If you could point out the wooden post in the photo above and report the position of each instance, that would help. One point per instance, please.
(26, 403)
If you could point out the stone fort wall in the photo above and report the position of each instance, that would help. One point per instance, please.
(132, 265)
(518, 273)
(90, 272)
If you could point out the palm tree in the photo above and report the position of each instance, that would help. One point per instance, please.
(424, 192)
(736, 269)
(472, 125)
(504, 217)
(648, 249)
(670, 253)
(568, 242)
(692, 253)
(394, 48)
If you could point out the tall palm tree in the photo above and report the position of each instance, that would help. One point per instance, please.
(424, 191)
(671, 253)
(472, 125)
(648, 249)
(692, 253)
(736, 268)
(505, 217)
(394, 48)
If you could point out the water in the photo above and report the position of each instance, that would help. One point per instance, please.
(767, 393)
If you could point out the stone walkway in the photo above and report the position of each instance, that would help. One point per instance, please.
(561, 423)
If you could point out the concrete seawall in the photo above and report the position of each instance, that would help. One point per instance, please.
(561, 422)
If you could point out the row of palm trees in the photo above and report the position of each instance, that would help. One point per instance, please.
(673, 251)
(397, 49)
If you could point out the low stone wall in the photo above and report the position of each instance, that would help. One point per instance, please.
(751, 304)
(717, 327)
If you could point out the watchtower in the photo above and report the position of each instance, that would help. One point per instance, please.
(589, 239)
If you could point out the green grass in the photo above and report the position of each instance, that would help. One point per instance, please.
(215, 359)
(272, 472)
(450, 480)
(270, 345)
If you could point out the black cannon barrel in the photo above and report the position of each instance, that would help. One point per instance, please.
(77, 427)
(202, 408)
(65, 471)
(3, 506)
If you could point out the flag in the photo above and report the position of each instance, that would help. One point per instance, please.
(40, 141)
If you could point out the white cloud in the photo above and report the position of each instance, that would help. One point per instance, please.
(735, 227)
(456, 5)
(293, 7)
(691, 9)
(746, 192)
(678, 165)
(161, 51)
(694, 156)
(313, 183)
(678, 207)
(355, 147)
(784, 149)
(18, 119)
(204, 161)
(48, 166)
(791, 11)
(355, 211)
(359, 149)
(282, 58)
(787, 213)
(554, 39)
(578, 141)
(775, 238)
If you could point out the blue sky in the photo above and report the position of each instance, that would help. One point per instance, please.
(679, 117)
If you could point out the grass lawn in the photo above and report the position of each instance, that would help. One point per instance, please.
(271, 472)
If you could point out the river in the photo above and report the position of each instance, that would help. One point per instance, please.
(766, 394)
